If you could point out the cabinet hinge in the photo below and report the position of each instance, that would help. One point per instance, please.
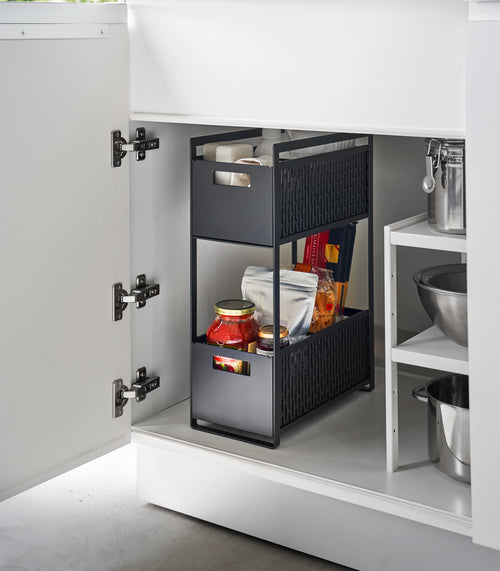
(139, 295)
(120, 147)
(142, 386)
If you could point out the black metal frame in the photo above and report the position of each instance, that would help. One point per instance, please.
(201, 179)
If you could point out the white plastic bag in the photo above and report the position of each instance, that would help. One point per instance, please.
(297, 295)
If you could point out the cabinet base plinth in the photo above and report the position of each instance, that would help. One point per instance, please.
(229, 495)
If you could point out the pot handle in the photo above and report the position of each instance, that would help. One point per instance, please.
(420, 393)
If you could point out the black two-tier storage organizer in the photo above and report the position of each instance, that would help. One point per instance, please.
(288, 201)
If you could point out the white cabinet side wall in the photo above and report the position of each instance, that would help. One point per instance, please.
(160, 226)
(483, 237)
(359, 66)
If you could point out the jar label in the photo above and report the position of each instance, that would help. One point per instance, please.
(230, 365)
(248, 348)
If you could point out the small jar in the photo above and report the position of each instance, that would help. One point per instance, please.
(265, 339)
(234, 326)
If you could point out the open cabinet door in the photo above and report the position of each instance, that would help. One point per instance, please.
(64, 237)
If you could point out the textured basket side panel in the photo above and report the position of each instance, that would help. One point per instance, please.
(323, 190)
(318, 372)
(230, 400)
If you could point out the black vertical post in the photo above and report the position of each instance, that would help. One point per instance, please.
(194, 285)
(294, 252)
(193, 277)
(276, 297)
(371, 279)
(192, 257)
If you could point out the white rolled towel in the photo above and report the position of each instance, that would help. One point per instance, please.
(243, 178)
(230, 154)
(209, 150)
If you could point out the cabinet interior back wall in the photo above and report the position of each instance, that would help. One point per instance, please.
(160, 248)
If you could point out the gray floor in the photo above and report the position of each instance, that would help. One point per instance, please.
(90, 519)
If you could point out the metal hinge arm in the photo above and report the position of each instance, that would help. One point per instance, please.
(128, 299)
(134, 146)
(142, 292)
(139, 295)
(140, 145)
(140, 388)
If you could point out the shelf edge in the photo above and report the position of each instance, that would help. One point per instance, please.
(429, 242)
(400, 235)
(292, 124)
(403, 356)
(401, 224)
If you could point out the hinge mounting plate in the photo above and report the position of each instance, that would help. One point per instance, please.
(140, 145)
(139, 295)
(140, 388)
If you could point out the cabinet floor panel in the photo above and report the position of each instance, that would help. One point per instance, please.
(340, 453)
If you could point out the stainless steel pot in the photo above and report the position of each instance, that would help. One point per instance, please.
(445, 184)
(448, 438)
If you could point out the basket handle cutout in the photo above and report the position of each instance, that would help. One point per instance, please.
(228, 365)
(228, 178)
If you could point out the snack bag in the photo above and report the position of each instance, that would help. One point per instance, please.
(326, 298)
(297, 296)
(333, 250)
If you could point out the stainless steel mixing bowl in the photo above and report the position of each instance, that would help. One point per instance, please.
(443, 293)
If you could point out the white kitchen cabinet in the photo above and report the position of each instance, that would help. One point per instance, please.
(363, 66)
(65, 241)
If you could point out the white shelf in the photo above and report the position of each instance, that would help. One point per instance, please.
(433, 350)
(418, 233)
(430, 349)
(338, 453)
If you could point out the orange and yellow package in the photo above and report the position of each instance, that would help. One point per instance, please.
(326, 297)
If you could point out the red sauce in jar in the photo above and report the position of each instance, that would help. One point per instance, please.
(234, 326)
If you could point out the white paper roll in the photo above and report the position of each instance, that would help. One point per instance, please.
(245, 179)
(230, 154)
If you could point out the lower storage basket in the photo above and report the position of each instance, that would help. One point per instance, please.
(309, 374)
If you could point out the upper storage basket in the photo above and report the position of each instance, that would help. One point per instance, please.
(293, 198)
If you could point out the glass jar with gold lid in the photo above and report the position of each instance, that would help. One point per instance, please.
(265, 339)
(234, 326)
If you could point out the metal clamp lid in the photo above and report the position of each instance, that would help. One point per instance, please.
(432, 164)
(266, 332)
(234, 307)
